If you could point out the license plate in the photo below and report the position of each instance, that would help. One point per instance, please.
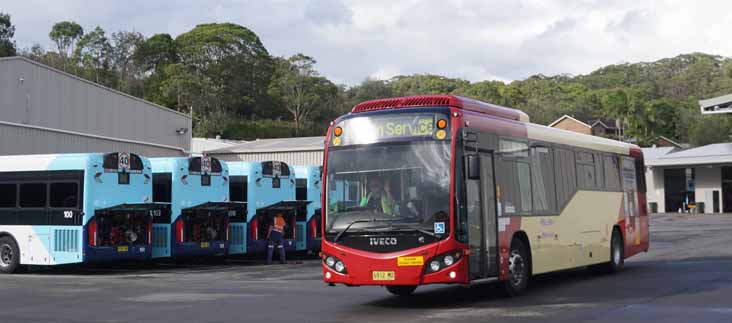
(123, 249)
(410, 261)
(204, 245)
(383, 275)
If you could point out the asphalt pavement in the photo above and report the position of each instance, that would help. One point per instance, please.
(685, 277)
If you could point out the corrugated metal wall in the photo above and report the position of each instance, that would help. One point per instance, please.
(307, 158)
(36, 95)
(19, 140)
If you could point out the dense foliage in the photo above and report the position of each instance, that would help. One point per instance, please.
(7, 30)
(225, 77)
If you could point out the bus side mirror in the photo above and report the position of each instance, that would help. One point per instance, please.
(473, 167)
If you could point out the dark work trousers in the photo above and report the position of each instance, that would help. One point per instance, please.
(275, 238)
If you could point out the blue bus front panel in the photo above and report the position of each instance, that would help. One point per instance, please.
(193, 229)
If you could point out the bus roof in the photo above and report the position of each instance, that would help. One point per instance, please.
(22, 163)
(442, 100)
(534, 131)
(571, 138)
(173, 164)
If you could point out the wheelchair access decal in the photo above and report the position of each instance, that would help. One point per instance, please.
(439, 227)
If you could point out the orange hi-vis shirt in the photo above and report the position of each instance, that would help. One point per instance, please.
(279, 224)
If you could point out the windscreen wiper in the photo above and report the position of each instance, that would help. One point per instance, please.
(335, 240)
(423, 231)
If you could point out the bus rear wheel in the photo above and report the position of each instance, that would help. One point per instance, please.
(518, 269)
(9, 256)
(401, 290)
(617, 256)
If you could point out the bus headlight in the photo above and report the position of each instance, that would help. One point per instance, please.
(435, 265)
(334, 263)
(443, 261)
(339, 266)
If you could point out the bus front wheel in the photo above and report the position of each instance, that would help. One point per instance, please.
(9, 255)
(518, 269)
(401, 290)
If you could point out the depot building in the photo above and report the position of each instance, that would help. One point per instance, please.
(47, 111)
(696, 180)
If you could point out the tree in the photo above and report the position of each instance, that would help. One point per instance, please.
(425, 84)
(7, 31)
(123, 48)
(94, 52)
(152, 57)
(488, 91)
(234, 60)
(195, 94)
(300, 89)
(369, 89)
(709, 130)
(156, 52)
(658, 118)
(65, 34)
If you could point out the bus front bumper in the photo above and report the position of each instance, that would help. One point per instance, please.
(382, 272)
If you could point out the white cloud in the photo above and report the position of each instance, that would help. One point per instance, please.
(472, 39)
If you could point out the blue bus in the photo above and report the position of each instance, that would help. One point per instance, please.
(197, 190)
(75, 208)
(267, 188)
(308, 188)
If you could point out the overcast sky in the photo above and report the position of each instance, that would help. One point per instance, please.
(475, 40)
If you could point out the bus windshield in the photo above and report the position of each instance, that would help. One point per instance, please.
(402, 186)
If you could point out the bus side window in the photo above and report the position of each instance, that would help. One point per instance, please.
(33, 195)
(542, 179)
(586, 178)
(640, 170)
(513, 176)
(612, 173)
(64, 195)
(565, 174)
(599, 174)
(8, 195)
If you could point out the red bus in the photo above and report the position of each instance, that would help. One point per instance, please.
(449, 190)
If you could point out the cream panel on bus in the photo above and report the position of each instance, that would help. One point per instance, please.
(33, 243)
(579, 236)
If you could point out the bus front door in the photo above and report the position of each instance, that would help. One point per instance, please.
(481, 211)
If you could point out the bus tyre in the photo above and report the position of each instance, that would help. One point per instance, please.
(518, 269)
(401, 290)
(9, 256)
(617, 256)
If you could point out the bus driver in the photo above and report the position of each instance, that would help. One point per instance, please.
(379, 197)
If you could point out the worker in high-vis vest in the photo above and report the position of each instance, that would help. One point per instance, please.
(276, 232)
(379, 197)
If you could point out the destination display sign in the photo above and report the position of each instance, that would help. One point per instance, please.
(365, 130)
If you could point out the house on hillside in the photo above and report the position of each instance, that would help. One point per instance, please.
(596, 127)
(666, 142)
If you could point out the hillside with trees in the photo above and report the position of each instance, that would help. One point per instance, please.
(225, 77)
